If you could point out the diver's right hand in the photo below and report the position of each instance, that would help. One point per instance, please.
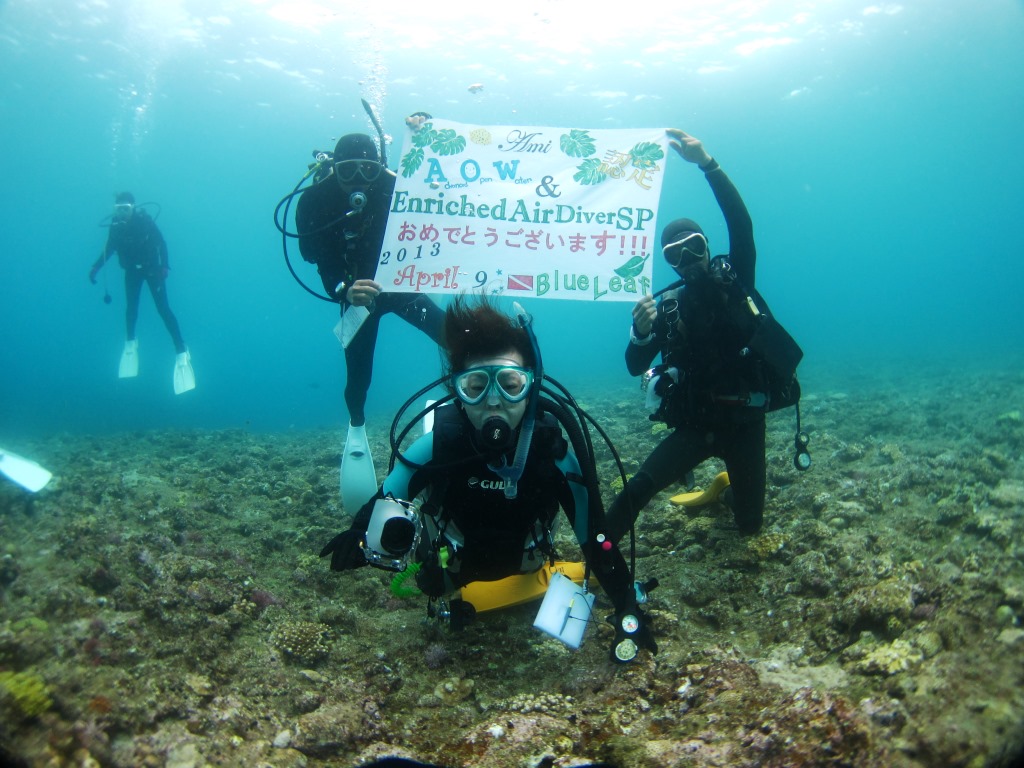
(346, 550)
(92, 275)
(690, 148)
(644, 313)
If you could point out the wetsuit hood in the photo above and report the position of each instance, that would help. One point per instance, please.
(675, 230)
(355, 146)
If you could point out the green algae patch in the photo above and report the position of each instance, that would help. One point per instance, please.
(24, 694)
(30, 624)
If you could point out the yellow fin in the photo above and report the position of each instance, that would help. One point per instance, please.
(699, 498)
(518, 589)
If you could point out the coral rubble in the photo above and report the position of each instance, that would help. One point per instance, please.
(162, 604)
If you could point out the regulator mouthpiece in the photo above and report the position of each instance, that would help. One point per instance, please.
(356, 201)
(496, 434)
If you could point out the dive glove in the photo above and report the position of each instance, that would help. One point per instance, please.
(346, 550)
(430, 578)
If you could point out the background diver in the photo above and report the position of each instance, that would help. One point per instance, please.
(142, 253)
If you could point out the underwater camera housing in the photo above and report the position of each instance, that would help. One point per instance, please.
(393, 533)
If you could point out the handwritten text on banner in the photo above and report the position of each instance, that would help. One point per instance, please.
(558, 213)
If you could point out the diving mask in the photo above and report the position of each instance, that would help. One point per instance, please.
(123, 211)
(510, 382)
(687, 250)
(354, 171)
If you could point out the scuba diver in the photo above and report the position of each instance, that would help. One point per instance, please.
(142, 253)
(725, 361)
(340, 221)
(488, 480)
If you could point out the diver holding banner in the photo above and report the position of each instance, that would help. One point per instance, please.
(725, 361)
(340, 220)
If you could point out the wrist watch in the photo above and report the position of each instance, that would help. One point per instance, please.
(637, 340)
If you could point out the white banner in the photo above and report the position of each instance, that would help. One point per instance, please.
(555, 213)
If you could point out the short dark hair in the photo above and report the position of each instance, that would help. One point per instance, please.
(125, 197)
(476, 327)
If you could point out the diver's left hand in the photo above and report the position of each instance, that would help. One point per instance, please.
(690, 148)
(363, 292)
(430, 579)
(346, 550)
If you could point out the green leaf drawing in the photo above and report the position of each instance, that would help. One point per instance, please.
(447, 142)
(646, 154)
(589, 172)
(577, 143)
(633, 267)
(424, 136)
(412, 161)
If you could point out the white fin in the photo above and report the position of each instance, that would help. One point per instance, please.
(24, 472)
(129, 367)
(358, 477)
(184, 376)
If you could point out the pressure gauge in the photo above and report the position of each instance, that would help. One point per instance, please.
(626, 650)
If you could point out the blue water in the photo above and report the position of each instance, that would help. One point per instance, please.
(877, 147)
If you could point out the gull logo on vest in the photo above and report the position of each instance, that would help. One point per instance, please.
(486, 485)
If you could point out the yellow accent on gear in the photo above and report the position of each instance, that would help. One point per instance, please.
(518, 589)
(699, 498)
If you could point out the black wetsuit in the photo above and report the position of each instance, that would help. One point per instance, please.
(473, 532)
(142, 253)
(716, 377)
(488, 535)
(345, 248)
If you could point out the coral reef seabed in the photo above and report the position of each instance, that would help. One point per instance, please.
(162, 604)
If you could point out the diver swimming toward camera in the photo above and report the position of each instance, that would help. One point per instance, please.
(488, 481)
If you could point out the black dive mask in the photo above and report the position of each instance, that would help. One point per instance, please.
(356, 170)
